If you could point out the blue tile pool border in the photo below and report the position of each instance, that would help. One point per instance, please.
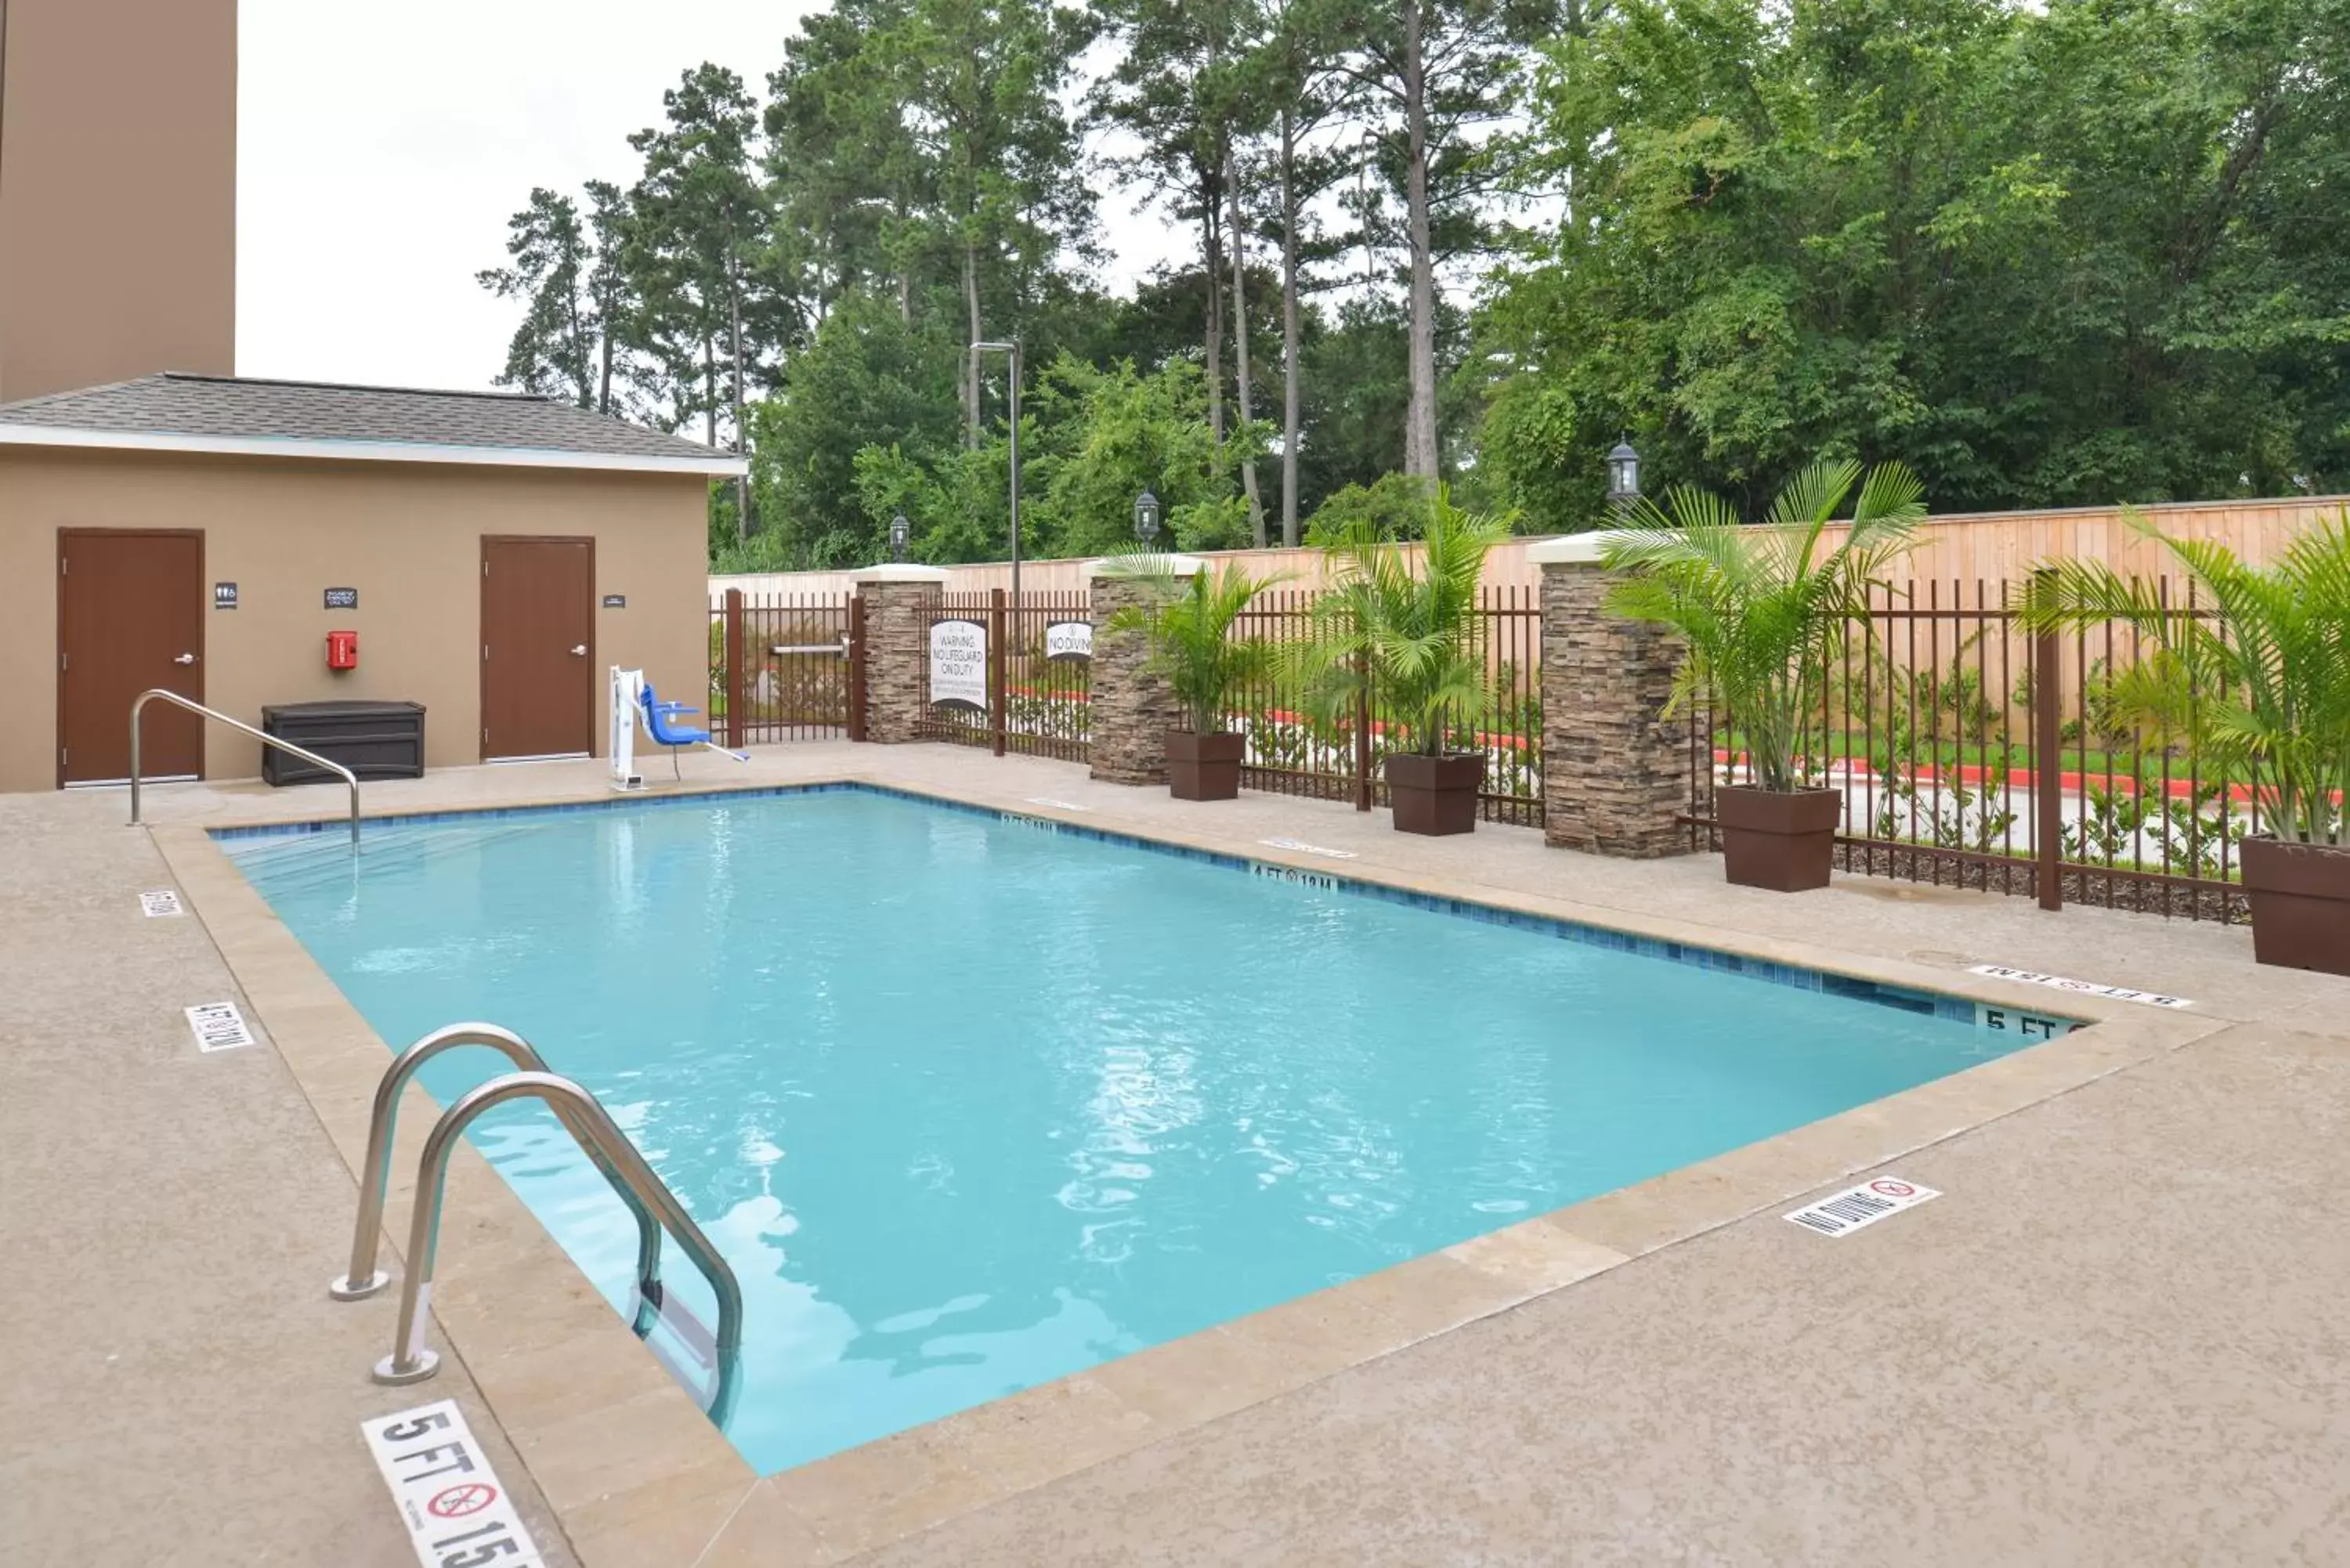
(1771, 972)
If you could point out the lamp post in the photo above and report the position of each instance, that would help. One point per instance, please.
(900, 531)
(1011, 354)
(1146, 519)
(1622, 477)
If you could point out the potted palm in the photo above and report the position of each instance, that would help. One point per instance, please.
(1763, 611)
(2258, 688)
(1410, 635)
(1188, 624)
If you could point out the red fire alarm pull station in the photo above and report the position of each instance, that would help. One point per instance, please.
(342, 651)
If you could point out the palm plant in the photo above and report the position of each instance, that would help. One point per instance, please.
(1764, 610)
(2261, 687)
(1411, 635)
(1188, 624)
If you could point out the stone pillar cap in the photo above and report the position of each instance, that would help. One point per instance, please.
(1572, 550)
(898, 572)
(1146, 565)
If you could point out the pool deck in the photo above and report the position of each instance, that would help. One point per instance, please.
(2115, 1338)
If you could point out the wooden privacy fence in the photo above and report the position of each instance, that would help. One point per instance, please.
(1943, 720)
(1953, 546)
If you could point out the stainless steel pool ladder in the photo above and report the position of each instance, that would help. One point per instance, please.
(139, 706)
(648, 1198)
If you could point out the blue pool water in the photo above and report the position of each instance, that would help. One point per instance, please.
(971, 1105)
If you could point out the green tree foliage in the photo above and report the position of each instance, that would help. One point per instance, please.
(553, 351)
(1393, 506)
(2045, 258)
(2070, 252)
(699, 220)
(866, 378)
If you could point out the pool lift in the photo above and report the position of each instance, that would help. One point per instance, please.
(634, 702)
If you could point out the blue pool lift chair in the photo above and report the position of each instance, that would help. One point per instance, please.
(659, 724)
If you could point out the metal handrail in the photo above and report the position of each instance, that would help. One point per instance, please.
(139, 704)
(363, 1279)
(411, 1361)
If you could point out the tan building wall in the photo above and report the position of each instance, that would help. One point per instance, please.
(118, 190)
(406, 536)
(1989, 547)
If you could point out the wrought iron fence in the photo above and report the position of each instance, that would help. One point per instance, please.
(1032, 685)
(779, 667)
(1292, 751)
(1936, 721)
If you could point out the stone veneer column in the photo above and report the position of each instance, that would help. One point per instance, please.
(899, 600)
(1132, 708)
(1615, 772)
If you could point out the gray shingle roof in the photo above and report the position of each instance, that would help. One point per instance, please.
(236, 409)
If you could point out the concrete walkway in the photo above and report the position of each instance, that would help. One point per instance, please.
(179, 1389)
(2115, 1338)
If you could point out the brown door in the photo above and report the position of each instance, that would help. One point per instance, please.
(131, 615)
(538, 648)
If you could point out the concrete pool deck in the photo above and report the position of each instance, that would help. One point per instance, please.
(2113, 1338)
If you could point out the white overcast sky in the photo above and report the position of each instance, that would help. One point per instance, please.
(383, 144)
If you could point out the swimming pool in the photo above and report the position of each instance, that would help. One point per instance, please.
(972, 1102)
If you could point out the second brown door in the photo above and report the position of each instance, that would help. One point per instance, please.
(538, 647)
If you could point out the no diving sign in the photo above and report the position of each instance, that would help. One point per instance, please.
(457, 1514)
(1856, 1208)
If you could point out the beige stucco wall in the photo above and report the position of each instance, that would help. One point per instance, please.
(118, 190)
(406, 536)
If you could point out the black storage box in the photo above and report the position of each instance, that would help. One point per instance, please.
(374, 740)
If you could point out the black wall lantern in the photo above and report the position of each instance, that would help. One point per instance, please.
(1623, 474)
(1145, 517)
(901, 531)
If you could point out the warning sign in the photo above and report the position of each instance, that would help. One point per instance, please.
(448, 1497)
(218, 1026)
(164, 902)
(1842, 1213)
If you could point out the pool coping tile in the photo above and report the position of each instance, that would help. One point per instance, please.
(634, 1471)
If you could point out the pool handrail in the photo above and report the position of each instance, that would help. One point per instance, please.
(411, 1361)
(363, 1279)
(139, 705)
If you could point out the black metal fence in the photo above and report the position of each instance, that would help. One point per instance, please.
(1030, 687)
(1940, 720)
(1291, 751)
(779, 667)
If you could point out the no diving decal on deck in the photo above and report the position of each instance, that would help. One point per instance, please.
(218, 1026)
(1844, 1213)
(2083, 987)
(163, 901)
(457, 1514)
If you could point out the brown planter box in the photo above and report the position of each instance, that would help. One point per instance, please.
(1782, 842)
(1204, 767)
(1434, 795)
(2300, 895)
